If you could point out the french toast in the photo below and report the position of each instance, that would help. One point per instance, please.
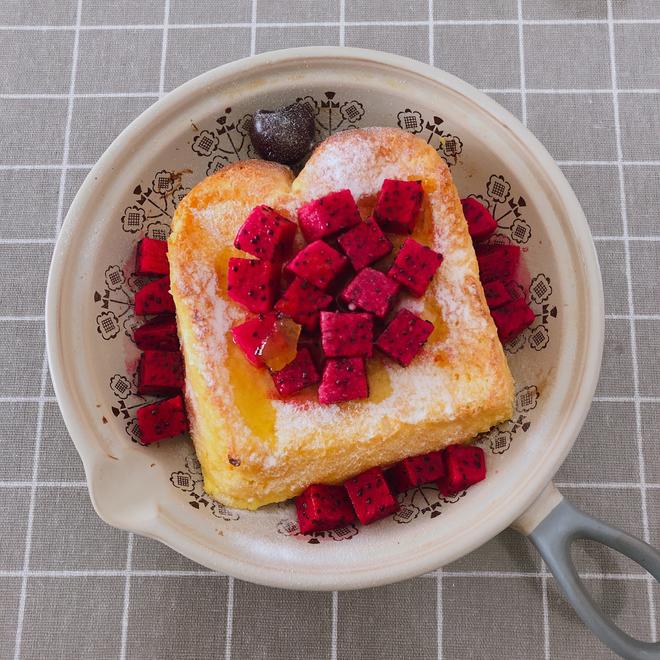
(256, 448)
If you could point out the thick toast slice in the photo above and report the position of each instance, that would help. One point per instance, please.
(256, 448)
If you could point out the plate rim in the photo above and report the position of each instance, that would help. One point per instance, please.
(156, 525)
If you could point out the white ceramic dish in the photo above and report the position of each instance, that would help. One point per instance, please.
(156, 491)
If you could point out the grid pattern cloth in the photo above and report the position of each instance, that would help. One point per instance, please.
(583, 75)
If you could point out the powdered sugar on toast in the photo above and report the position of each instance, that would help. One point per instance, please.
(362, 169)
(457, 386)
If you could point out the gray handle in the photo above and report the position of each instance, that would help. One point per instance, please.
(553, 538)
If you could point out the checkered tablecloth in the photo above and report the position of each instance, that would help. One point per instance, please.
(584, 75)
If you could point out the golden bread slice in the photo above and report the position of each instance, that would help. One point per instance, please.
(256, 448)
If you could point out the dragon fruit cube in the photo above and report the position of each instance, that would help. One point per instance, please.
(319, 264)
(253, 283)
(465, 465)
(328, 215)
(398, 204)
(159, 334)
(365, 244)
(404, 337)
(322, 508)
(154, 298)
(296, 375)
(151, 257)
(496, 294)
(344, 379)
(415, 266)
(497, 262)
(481, 223)
(266, 234)
(512, 318)
(302, 301)
(250, 336)
(161, 420)
(160, 372)
(371, 496)
(371, 291)
(416, 470)
(347, 335)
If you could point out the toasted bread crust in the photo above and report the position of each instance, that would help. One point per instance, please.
(460, 385)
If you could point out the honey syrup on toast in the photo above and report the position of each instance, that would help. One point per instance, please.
(253, 391)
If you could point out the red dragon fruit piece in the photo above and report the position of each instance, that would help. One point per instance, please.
(266, 234)
(416, 470)
(328, 215)
(481, 223)
(154, 298)
(512, 319)
(398, 205)
(465, 465)
(253, 283)
(158, 334)
(344, 379)
(371, 496)
(365, 244)
(319, 264)
(296, 375)
(321, 508)
(151, 257)
(371, 291)
(497, 262)
(347, 335)
(496, 294)
(161, 420)
(250, 336)
(415, 266)
(404, 337)
(302, 301)
(160, 372)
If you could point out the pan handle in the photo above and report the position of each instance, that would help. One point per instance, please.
(552, 524)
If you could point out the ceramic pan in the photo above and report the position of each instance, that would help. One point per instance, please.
(157, 491)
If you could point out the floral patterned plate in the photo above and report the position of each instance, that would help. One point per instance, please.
(197, 129)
